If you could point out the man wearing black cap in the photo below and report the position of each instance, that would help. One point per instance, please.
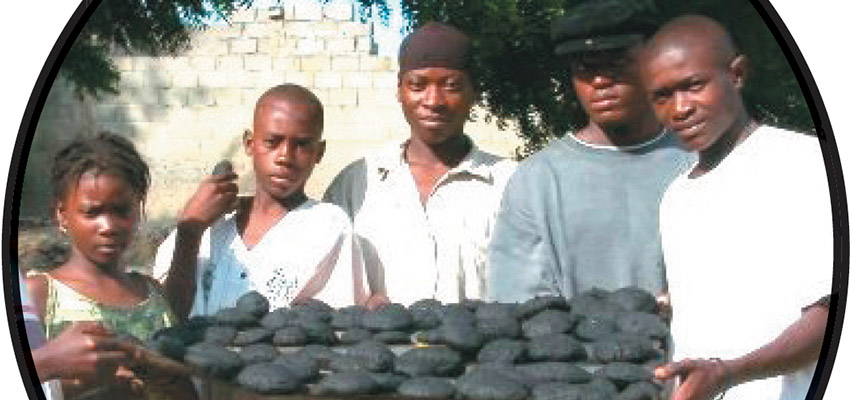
(423, 209)
(583, 213)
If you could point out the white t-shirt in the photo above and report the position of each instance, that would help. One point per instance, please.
(747, 246)
(312, 240)
(438, 250)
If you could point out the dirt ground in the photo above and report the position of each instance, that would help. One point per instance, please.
(41, 245)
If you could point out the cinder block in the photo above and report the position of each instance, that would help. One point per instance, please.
(365, 45)
(174, 63)
(244, 15)
(258, 62)
(375, 63)
(200, 96)
(345, 63)
(378, 98)
(288, 45)
(243, 46)
(340, 46)
(184, 79)
(251, 95)
(322, 94)
(214, 79)
(159, 78)
(326, 29)
(182, 117)
(307, 11)
(342, 97)
(309, 46)
(286, 63)
(261, 29)
(123, 63)
(208, 45)
(145, 63)
(355, 28)
(339, 11)
(266, 79)
(269, 46)
(131, 79)
(156, 113)
(202, 63)
(226, 97)
(146, 95)
(300, 78)
(385, 80)
(315, 63)
(357, 79)
(328, 80)
(105, 113)
(239, 79)
(289, 11)
(174, 97)
(230, 63)
(299, 29)
(273, 14)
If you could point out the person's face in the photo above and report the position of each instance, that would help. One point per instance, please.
(285, 146)
(436, 102)
(608, 87)
(99, 215)
(694, 94)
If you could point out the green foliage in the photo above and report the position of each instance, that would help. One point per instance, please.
(521, 80)
(152, 27)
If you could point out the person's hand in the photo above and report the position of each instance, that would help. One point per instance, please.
(85, 351)
(216, 195)
(699, 379)
(376, 301)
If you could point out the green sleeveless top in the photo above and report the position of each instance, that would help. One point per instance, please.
(65, 306)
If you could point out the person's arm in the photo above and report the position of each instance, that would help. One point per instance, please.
(85, 351)
(796, 347)
(519, 254)
(216, 196)
(348, 188)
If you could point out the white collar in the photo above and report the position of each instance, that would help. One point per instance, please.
(476, 162)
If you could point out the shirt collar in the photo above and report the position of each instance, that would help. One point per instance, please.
(475, 163)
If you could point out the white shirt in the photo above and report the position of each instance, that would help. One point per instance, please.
(438, 250)
(747, 246)
(312, 240)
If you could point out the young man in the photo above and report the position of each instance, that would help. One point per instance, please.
(423, 209)
(747, 232)
(583, 212)
(280, 243)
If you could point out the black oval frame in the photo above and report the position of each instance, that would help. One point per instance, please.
(841, 235)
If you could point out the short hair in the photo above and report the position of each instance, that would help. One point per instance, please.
(104, 153)
(296, 94)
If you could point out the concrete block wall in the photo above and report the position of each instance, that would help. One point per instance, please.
(188, 111)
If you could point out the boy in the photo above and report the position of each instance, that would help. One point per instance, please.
(423, 209)
(583, 212)
(280, 243)
(747, 232)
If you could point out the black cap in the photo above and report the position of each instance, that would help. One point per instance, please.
(604, 25)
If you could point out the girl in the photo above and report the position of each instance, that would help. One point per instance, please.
(99, 188)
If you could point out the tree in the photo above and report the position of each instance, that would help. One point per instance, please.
(153, 27)
(521, 80)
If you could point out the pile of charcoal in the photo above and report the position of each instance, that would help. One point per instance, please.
(597, 345)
